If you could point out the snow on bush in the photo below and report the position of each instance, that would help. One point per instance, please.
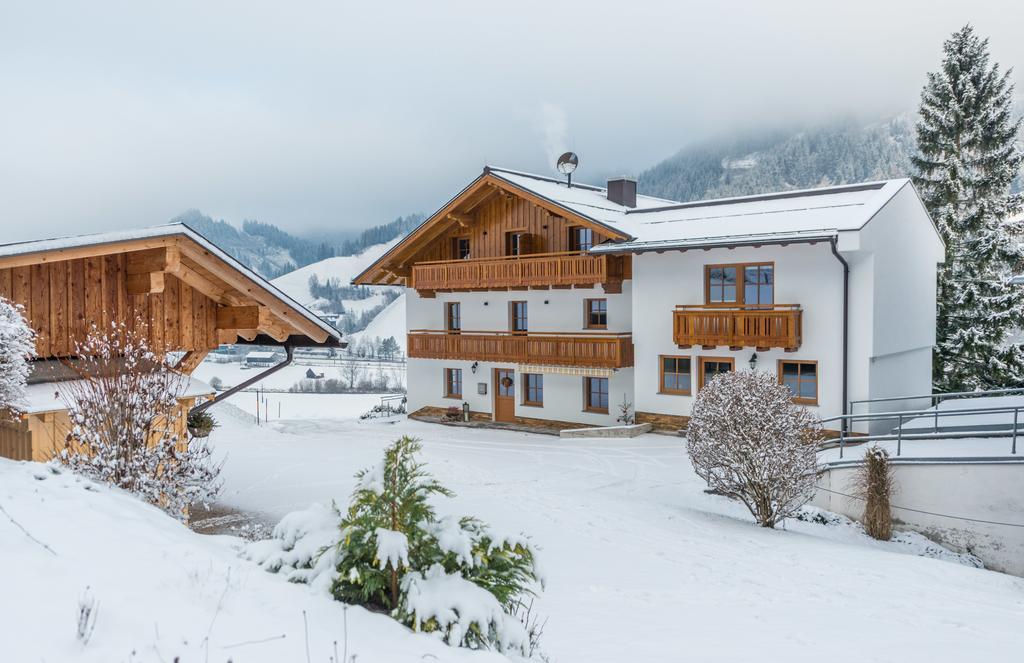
(302, 547)
(17, 347)
(749, 441)
(451, 577)
(124, 410)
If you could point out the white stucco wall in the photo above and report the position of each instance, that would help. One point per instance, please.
(553, 310)
(548, 310)
(805, 274)
(906, 253)
(982, 491)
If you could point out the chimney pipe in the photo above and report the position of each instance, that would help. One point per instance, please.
(622, 191)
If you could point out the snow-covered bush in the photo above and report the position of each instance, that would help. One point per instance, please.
(17, 347)
(303, 547)
(453, 577)
(749, 441)
(124, 412)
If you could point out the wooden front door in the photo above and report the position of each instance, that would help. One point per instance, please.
(504, 394)
(712, 366)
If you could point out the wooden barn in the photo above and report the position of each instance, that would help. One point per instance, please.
(168, 283)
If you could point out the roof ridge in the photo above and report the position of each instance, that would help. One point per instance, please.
(776, 195)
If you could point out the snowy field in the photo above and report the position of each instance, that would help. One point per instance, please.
(641, 564)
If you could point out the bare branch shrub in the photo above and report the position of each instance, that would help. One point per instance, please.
(125, 415)
(17, 347)
(749, 441)
(874, 483)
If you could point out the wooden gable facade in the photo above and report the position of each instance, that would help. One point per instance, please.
(172, 289)
(486, 214)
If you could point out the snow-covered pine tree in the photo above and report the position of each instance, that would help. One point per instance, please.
(17, 346)
(967, 158)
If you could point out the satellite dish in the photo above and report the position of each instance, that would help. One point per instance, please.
(567, 164)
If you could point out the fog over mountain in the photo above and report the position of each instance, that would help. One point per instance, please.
(314, 117)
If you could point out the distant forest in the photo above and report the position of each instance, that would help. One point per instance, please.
(272, 252)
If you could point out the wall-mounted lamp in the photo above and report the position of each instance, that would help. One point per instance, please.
(545, 301)
(475, 365)
(753, 361)
(485, 303)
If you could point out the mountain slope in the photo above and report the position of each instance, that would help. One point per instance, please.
(781, 160)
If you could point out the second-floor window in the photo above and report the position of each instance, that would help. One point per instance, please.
(453, 316)
(517, 316)
(580, 238)
(742, 284)
(596, 311)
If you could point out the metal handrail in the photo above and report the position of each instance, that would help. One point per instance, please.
(936, 398)
(899, 435)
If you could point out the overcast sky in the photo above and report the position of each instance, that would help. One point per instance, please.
(346, 114)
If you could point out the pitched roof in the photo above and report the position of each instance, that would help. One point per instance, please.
(654, 222)
(66, 247)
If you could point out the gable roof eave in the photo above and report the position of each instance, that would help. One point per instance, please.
(488, 176)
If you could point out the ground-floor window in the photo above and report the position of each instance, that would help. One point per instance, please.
(675, 375)
(595, 391)
(712, 366)
(533, 389)
(802, 379)
(453, 383)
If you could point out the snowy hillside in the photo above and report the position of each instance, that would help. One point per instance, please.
(389, 322)
(161, 592)
(335, 275)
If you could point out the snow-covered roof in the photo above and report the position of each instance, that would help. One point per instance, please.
(657, 223)
(45, 396)
(156, 232)
(261, 354)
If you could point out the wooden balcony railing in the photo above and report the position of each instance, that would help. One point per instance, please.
(775, 326)
(525, 271)
(592, 350)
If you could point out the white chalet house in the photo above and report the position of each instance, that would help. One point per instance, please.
(537, 302)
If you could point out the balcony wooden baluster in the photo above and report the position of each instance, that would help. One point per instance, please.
(591, 350)
(759, 327)
(539, 270)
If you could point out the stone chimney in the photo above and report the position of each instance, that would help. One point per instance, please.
(622, 191)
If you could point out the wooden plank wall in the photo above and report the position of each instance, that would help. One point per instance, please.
(15, 440)
(63, 300)
(497, 216)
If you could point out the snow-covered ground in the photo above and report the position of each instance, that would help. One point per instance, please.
(163, 593)
(642, 564)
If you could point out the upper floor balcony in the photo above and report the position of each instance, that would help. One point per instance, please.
(760, 327)
(591, 350)
(537, 270)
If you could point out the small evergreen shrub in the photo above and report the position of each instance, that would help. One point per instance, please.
(448, 576)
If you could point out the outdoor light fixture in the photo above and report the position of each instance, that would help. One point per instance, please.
(753, 361)
(474, 366)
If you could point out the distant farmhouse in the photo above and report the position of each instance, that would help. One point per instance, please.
(168, 283)
(537, 302)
